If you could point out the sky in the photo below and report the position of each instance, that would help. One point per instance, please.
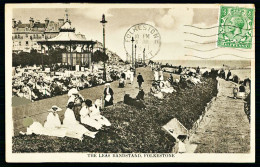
(170, 23)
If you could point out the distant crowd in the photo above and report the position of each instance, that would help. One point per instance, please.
(35, 84)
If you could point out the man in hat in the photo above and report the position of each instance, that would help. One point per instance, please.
(108, 95)
(140, 80)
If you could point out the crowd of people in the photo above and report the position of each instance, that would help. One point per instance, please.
(34, 84)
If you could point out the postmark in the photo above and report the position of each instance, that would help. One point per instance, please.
(235, 27)
(146, 38)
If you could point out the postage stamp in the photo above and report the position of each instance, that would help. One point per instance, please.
(235, 27)
(147, 40)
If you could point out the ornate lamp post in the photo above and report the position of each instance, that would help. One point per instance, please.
(103, 21)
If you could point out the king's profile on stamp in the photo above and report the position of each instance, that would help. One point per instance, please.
(235, 27)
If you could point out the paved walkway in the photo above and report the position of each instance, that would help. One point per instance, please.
(225, 127)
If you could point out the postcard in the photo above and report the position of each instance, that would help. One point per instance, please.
(130, 82)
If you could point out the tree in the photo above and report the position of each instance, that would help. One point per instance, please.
(99, 56)
(55, 55)
(16, 60)
(25, 58)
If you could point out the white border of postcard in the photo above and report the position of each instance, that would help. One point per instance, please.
(95, 157)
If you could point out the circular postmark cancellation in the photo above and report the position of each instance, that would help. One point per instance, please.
(146, 38)
(235, 27)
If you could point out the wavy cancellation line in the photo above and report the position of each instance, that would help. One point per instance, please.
(216, 49)
(217, 56)
(203, 28)
(212, 35)
(186, 40)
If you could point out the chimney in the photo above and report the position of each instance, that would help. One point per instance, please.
(46, 22)
(61, 22)
(31, 22)
(13, 23)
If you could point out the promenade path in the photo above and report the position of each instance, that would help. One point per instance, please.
(225, 127)
(38, 109)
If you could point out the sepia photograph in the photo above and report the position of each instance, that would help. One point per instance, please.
(130, 82)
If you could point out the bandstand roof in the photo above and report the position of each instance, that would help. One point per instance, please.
(66, 35)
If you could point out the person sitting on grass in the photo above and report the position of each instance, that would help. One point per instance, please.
(166, 87)
(77, 99)
(85, 116)
(133, 102)
(53, 119)
(90, 115)
(96, 114)
(75, 129)
(52, 126)
(155, 91)
(140, 95)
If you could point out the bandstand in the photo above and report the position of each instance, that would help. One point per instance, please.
(78, 49)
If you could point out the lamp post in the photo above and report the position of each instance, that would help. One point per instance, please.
(144, 56)
(132, 52)
(103, 21)
(135, 57)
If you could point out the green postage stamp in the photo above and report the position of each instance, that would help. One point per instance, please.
(235, 27)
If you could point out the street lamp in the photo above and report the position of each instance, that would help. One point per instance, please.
(135, 57)
(103, 21)
(144, 56)
(132, 52)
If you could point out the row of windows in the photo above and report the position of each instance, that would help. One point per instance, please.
(26, 43)
(26, 35)
(35, 36)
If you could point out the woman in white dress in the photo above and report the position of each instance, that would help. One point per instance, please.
(85, 117)
(96, 115)
(76, 130)
(166, 87)
(53, 119)
(52, 126)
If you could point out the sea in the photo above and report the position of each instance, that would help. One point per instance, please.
(241, 68)
(233, 64)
